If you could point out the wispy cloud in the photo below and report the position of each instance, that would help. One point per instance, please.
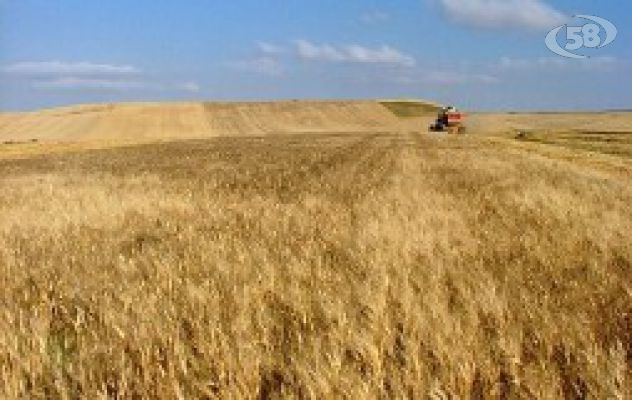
(445, 78)
(74, 83)
(267, 60)
(112, 85)
(603, 63)
(509, 63)
(263, 65)
(82, 75)
(59, 68)
(275, 60)
(324, 52)
(88, 76)
(534, 15)
(375, 17)
(307, 50)
(191, 87)
(270, 49)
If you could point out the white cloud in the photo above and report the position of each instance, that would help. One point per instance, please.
(603, 63)
(264, 65)
(77, 83)
(309, 51)
(192, 87)
(445, 78)
(503, 14)
(531, 63)
(270, 48)
(385, 54)
(458, 78)
(374, 17)
(268, 60)
(272, 59)
(75, 75)
(58, 75)
(59, 68)
(352, 54)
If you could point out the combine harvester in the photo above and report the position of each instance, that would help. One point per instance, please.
(449, 120)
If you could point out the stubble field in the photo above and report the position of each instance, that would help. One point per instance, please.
(355, 265)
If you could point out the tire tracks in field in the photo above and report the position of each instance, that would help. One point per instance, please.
(346, 178)
(347, 174)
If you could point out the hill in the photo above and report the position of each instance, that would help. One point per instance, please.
(141, 121)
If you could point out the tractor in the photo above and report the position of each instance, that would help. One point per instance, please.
(449, 120)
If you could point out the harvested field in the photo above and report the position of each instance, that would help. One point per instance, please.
(160, 121)
(381, 264)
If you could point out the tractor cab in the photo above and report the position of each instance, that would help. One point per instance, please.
(449, 120)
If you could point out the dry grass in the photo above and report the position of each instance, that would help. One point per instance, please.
(618, 143)
(315, 266)
(172, 121)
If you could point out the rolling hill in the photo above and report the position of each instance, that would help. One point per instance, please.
(148, 121)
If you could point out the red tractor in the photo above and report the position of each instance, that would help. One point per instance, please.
(449, 120)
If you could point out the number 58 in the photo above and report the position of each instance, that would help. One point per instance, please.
(589, 36)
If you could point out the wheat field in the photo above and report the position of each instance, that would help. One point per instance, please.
(154, 121)
(359, 265)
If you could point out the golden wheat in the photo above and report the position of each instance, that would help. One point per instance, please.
(317, 266)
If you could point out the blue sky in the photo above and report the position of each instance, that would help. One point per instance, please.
(480, 54)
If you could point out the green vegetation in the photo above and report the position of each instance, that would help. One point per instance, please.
(410, 108)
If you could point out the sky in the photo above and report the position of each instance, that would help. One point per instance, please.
(477, 54)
